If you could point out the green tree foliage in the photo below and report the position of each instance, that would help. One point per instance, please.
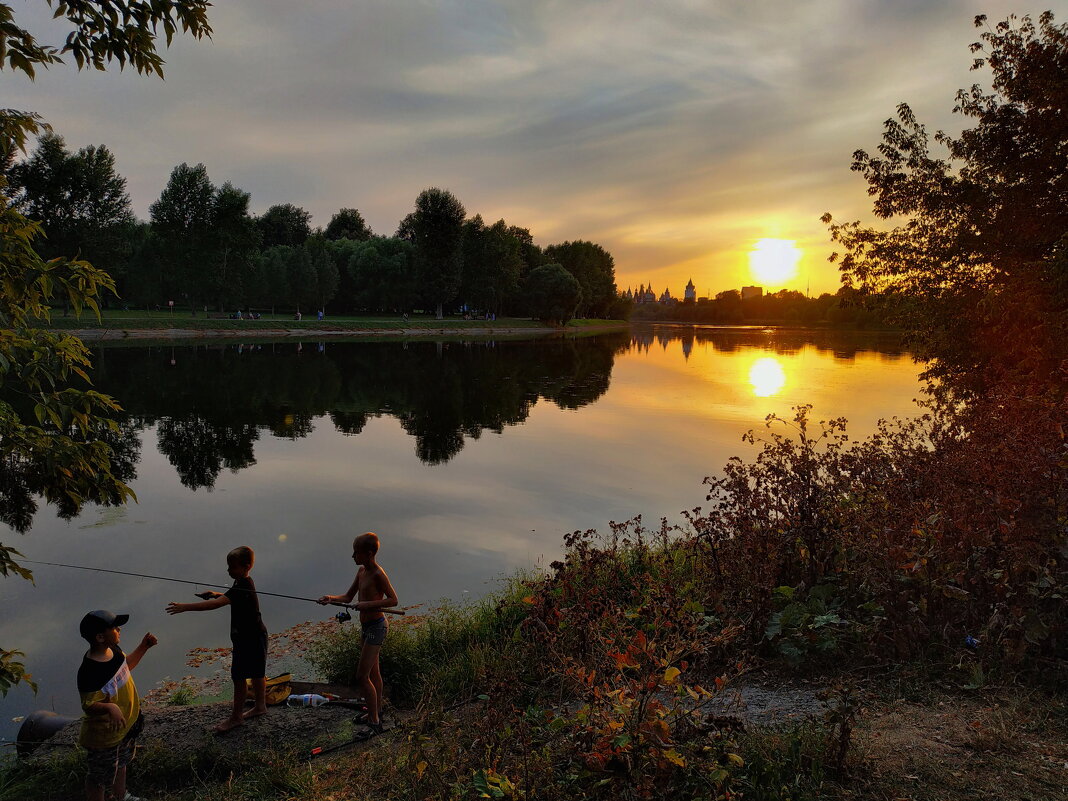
(204, 241)
(348, 224)
(977, 268)
(382, 275)
(234, 242)
(284, 224)
(79, 199)
(322, 263)
(553, 294)
(271, 271)
(303, 280)
(182, 220)
(492, 263)
(437, 233)
(595, 271)
(58, 448)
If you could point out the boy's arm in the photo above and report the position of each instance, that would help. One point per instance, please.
(200, 606)
(389, 595)
(147, 642)
(345, 597)
(111, 710)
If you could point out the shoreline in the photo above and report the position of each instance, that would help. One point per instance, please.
(114, 334)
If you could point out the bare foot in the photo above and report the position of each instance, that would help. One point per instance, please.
(255, 713)
(228, 724)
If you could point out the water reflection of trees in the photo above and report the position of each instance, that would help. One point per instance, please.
(209, 404)
(784, 341)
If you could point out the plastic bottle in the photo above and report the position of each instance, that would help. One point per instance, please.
(307, 699)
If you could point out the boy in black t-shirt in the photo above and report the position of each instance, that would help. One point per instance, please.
(247, 633)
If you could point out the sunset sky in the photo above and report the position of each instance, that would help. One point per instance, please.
(677, 134)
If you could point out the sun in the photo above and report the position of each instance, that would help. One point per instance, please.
(773, 262)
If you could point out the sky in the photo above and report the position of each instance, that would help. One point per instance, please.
(676, 134)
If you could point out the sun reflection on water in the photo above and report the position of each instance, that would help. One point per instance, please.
(767, 377)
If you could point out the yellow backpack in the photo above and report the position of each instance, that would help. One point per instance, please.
(277, 689)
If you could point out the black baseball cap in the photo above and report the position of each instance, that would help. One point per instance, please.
(99, 621)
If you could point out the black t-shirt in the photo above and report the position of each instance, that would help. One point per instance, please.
(245, 620)
(93, 675)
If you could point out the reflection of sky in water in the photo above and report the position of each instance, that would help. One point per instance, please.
(674, 412)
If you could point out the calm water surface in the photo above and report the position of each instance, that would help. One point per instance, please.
(470, 459)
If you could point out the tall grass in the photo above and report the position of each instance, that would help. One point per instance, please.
(448, 653)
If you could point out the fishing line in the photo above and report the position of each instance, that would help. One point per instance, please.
(200, 584)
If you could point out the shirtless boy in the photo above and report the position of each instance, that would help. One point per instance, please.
(374, 593)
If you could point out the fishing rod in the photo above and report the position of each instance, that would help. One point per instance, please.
(209, 584)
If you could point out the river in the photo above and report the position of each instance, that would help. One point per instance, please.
(470, 458)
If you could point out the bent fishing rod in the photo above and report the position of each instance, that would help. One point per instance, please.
(208, 584)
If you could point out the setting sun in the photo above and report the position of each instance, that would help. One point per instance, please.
(773, 262)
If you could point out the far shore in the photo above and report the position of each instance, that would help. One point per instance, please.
(108, 334)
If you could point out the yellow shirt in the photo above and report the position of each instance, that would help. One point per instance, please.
(109, 682)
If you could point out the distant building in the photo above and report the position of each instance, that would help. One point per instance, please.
(644, 295)
(691, 292)
(666, 296)
(752, 292)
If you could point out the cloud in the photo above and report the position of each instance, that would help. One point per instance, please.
(673, 134)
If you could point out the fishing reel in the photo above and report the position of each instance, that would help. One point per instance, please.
(343, 616)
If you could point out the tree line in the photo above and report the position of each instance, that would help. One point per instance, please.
(203, 249)
(847, 307)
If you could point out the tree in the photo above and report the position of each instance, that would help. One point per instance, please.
(233, 243)
(595, 271)
(284, 224)
(302, 279)
(79, 199)
(348, 224)
(326, 272)
(382, 275)
(977, 268)
(491, 264)
(182, 219)
(65, 444)
(437, 231)
(271, 271)
(553, 294)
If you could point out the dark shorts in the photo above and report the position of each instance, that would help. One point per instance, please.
(374, 632)
(250, 657)
(104, 763)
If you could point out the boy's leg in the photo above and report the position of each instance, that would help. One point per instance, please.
(118, 789)
(254, 660)
(368, 663)
(237, 713)
(259, 697)
(101, 772)
(376, 680)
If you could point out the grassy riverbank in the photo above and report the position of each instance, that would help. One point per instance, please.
(115, 323)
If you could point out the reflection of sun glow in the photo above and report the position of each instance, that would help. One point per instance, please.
(774, 261)
(767, 377)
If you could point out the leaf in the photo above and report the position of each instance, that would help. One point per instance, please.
(674, 757)
(671, 675)
(420, 768)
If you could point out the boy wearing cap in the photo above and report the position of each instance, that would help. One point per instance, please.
(109, 698)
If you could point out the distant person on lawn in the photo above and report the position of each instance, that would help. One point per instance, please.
(374, 593)
(112, 708)
(247, 633)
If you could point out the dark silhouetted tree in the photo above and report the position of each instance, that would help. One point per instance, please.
(348, 224)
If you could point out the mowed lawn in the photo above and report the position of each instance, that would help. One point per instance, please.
(215, 321)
